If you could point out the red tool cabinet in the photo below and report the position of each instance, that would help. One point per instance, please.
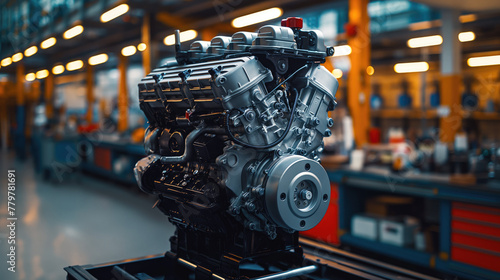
(475, 235)
(327, 229)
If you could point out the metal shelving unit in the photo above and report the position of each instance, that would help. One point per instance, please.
(481, 202)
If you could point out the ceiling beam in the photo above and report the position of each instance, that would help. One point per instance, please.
(174, 21)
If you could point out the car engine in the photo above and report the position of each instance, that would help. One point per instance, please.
(235, 134)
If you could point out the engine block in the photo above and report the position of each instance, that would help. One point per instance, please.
(236, 129)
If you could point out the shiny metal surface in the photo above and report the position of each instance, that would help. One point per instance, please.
(80, 220)
(289, 273)
(287, 178)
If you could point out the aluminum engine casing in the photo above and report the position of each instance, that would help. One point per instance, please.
(236, 131)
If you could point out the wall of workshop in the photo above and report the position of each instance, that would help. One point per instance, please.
(390, 85)
(70, 92)
(486, 86)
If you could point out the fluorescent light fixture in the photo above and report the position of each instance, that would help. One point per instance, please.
(129, 50)
(342, 50)
(424, 25)
(58, 69)
(370, 70)
(467, 18)
(30, 77)
(73, 32)
(30, 51)
(185, 36)
(74, 65)
(142, 47)
(16, 57)
(257, 17)
(114, 13)
(42, 74)
(6, 61)
(466, 36)
(484, 61)
(48, 43)
(411, 67)
(427, 41)
(98, 59)
(337, 73)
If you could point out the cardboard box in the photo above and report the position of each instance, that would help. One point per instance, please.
(398, 231)
(365, 226)
(388, 205)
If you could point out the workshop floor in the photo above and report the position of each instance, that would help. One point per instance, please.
(79, 220)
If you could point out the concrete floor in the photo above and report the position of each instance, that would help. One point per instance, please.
(80, 220)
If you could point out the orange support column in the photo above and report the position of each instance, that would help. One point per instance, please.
(20, 98)
(19, 135)
(49, 96)
(146, 39)
(32, 97)
(122, 95)
(450, 97)
(450, 76)
(358, 81)
(90, 93)
(36, 91)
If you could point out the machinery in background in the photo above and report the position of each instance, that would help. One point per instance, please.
(404, 99)
(236, 129)
(376, 99)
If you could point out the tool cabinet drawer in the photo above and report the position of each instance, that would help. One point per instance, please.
(475, 235)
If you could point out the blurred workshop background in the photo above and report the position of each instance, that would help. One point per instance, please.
(414, 156)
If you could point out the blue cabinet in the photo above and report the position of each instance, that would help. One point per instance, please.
(355, 188)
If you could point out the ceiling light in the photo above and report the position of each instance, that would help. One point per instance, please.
(72, 32)
(411, 67)
(58, 69)
(337, 73)
(42, 74)
(48, 43)
(427, 41)
(342, 50)
(184, 35)
(257, 17)
(98, 59)
(484, 61)
(129, 50)
(30, 77)
(141, 47)
(114, 13)
(6, 61)
(424, 25)
(370, 70)
(466, 36)
(467, 18)
(30, 51)
(16, 57)
(74, 65)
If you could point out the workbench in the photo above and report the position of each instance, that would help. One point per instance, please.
(469, 219)
(113, 159)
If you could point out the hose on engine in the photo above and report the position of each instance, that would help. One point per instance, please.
(280, 84)
(289, 125)
(282, 137)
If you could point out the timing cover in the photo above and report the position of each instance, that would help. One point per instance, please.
(297, 192)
